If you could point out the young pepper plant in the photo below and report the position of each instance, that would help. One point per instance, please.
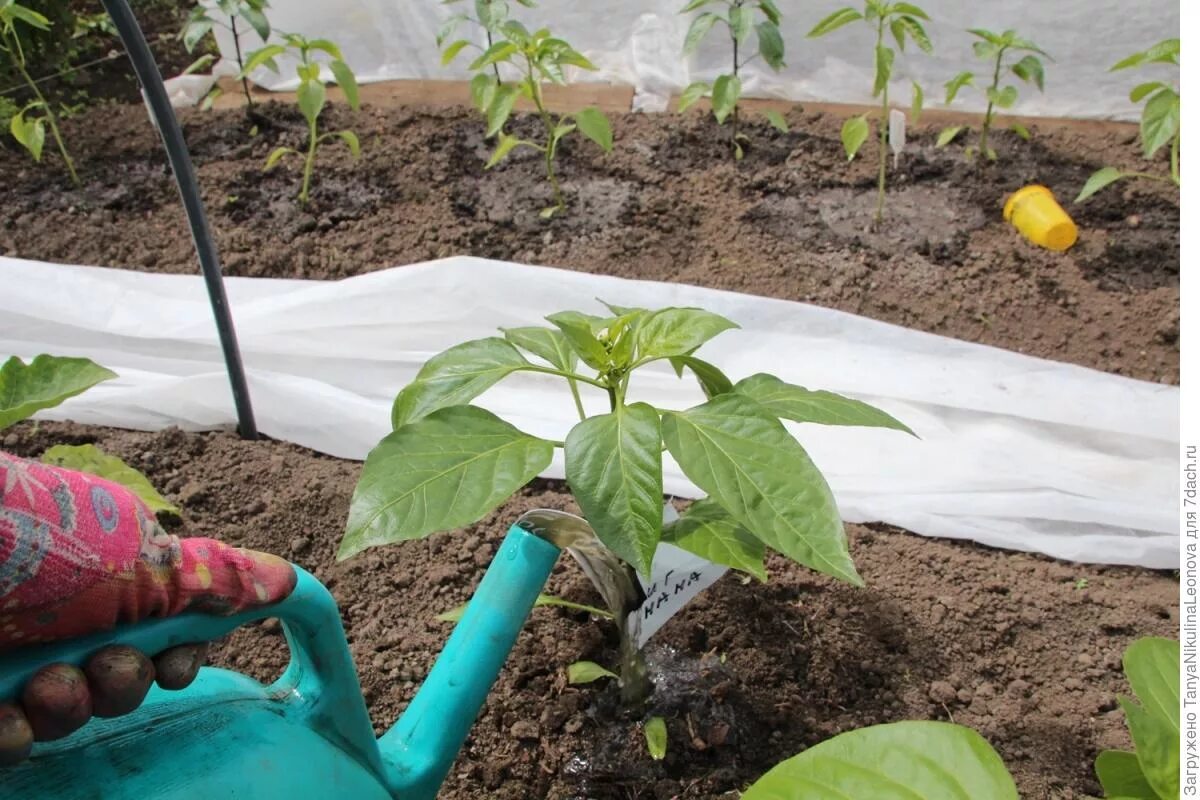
(447, 463)
(310, 95)
(490, 16)
(1160, 119)
(726, 90)
(30, 130)
(537, 56)
(902, 20)
(994, 48)
(201, 22)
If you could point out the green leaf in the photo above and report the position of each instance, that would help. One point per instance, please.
(748, 463)
(918, 102)
(770, 44)
(741, 22)
(545, 343)
(855, 131)
(699, 28)
(587, 672)
(29, 133)
(456, 613)
(500, 51)
(453, 49)
(1003, 98)
(707, 530)
(655, 731)
(1160, 121)
(925, 760)
(1157, 746)
(916, 30)
(27, 15)
(44, 383)
(712, 380)
(500, 109)
(727, 89)
(1142, 90)
(258, 21)
(483, 91)
(692, 94)
(947, 135)
(276, 155)
(994, 39)
(771, 11)
(262, 57)
(351, 140)
(693, 5)
(956, 83)
(199, 64)
(908, 9)
(594, 125)
(798, 404)
(678, 331)
(1152, 667)
(456, 376)
(310, 97)
(503, 147)
(985, 51)
(1121, 775)
(327, 47)
(1099, 179)
(843, 16)
(1020, 130)
(491, 13)
(884, 58)
(1165, 52)
(448, 27)
(195, 31)
(777, 121)
(614, 467)
(1030, 69)
(437, 474)
(580, 330)
(94, 461)
(898, 33)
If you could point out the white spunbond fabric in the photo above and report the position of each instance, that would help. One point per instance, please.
(639, 42)
(1015, 452)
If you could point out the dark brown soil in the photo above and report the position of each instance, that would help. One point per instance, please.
(1025, 649)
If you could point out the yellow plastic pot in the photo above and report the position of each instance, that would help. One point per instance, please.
(1040, 219)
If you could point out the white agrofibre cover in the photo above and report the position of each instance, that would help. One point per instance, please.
(1015, 452)
(639, 42)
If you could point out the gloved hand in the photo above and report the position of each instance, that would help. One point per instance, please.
(79, 554)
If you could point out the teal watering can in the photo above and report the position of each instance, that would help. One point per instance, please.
(308, 734)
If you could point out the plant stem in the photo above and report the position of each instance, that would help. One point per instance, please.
(237, 49)
(883, 128)
(51, 117)
(495, 67)
(578, 400)
(308, 160)
(733, 35)
(570, 376)
(987, 116)
(536, 88)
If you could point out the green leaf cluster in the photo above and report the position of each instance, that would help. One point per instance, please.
(901, 22)
(538, 57)
(1152, 771)
(1003, 52)
(201, 22)
(446, 463)
(1160, 118)
(310, 95)
(899, 759)
(742, 19)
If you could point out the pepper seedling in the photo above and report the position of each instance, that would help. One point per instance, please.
(490, 16)
(536, 56)
(27, 129)
(994, 48)
(726, 90)
(902, 20)
(1160, 119)
(201, 22)
(446, 463)
(310, 95)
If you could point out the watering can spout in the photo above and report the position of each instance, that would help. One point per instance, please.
(420, 748)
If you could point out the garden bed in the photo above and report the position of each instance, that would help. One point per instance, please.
(1022, 648)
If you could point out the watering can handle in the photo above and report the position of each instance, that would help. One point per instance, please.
(319, 686)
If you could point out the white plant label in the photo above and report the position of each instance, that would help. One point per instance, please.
(897, 129)
(676, 576)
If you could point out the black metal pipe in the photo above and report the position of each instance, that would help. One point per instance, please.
(189, 191)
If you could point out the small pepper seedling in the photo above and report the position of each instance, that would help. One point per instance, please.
(310, 95)
(1160, 119)
(201, 22)
(726, 90)
(27, 129)
(490, 16)
(537, 56)
(994, 48)
(902, 20)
